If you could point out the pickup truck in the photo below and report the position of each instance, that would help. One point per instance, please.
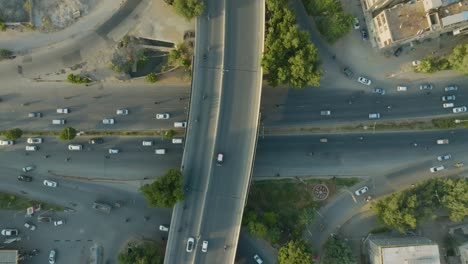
(442, 141)
(103, 207)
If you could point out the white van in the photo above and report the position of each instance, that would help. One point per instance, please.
(400, 88)
(31, 148)
(180, 124)
(177, 140)
(448, 105)
(63, 110)
(58, 122)
(75, 147)
(147, 143)
(160, 151)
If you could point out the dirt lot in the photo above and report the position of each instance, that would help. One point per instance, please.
(13, 11)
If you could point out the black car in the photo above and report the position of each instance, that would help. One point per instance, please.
(24, 178)
(96, 141)
(348, 72)
(364, 34)
(397, 52)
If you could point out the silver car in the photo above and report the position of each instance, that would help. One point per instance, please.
(444, 157)
(437, 168)
(461, 109)
(108, 121)
(379, 91)
(122, 111)
(448, 98)
(451, 88)
(364, 81)
(425, 86)
(374, 116)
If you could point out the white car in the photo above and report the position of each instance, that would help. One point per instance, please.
(9, 232)
(444, 157)
(63, 110)
(448, 105)
(325, 112)
(361, 190)
(190, 244)
(425, 86)
(108, 121)
(50, 183)
(356, 23)
(163, 228)
(114, 151)
(374, 116)
(204, 246)
(379, 91)
(415, 63)
(177, 141)
(451, 88)
(258, 259)
(34, 140)
(122, 111)
(52, 254)
(6, 142)
(31, 148)
(448, 98)
(364, 81)
(75, 147)
(220, 158)
(400, 88)
(59, 222)
(163, 116)
(160, 151)
(147, 143)
(437, 168)
(28, 168)
(30, 226)
(457, 110)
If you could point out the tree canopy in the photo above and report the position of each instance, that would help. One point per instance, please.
(337, 251)
(289, 57)
(67, 133)
(403, 210)
(147, 253)
(165, 191)
(189, 8)
(295, 252)
(13, 134)
(459, 58)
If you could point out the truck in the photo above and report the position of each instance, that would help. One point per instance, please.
(442, 141)
(103, 207)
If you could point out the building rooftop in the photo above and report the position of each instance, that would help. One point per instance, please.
(424, 254)
(8, 256)
(407, 20)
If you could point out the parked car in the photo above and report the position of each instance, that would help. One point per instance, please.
(9, 232)
(63, 110)
(425, 86)
(356, 23)
(52, 255)
(163, 116)
(258, 259)
(108, 121)
(448, 98)
(59, 222)
(122, 111)
(397, 52)
(50, 183)
(451, 88)
(25, 178)
(374, 116)
(400, 88)
(379, 91)
(364, 81)
(30, 226)
(34, 140)
(35, 114)
(190, 244)
(163, 228)
(29, 168)
(347, 71)
(325, 112)
(114, 151)
(361, 190)
(457, 110)
(75, 147)
(444, 157)
(437, 168)
(364, 34)
(204, 246)
(6, 142)
(96, 141)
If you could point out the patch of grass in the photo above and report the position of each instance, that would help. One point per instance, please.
(346, 182)
(16, 202)
(77, 79)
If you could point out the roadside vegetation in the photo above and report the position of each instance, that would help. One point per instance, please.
(151, 77)
(405, 209)
(5, 54)
(336, 250)
(330, 18)
(77, 79)
(2, 25)
(187, 8)
(147, 252)
(67, 133)
(10, 201)
(165, 191)
(13, 134)
(457, 60)
(180, 57)
(289, 57)
(295, 252)
(169, 134)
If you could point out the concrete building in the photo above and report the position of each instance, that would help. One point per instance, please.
(401, 250)
(418, 19)
(8, 256)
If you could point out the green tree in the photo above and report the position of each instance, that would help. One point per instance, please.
(189, 8)
(459, 58)
(337, 251)
(67, 133)
(2, 25)
(74, 78)
(5, 54)
(151, 77)
(169, 134)
(13, 134)
(295, 252)
(397, 211)
(148, 253)
(455, 198)
(165, 191)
